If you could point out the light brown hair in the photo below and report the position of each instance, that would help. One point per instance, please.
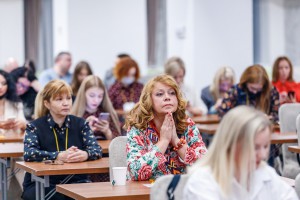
(142, 113)
(257, 74)
(275, 72)
(75, 84)
(106, 105)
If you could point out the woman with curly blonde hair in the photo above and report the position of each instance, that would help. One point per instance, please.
(161, 138)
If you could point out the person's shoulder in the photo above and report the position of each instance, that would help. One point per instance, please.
(201, 173)
(205, 89)
(190, 122)
(47, 71)
(138, 84)
(38, 121)
(76, 120)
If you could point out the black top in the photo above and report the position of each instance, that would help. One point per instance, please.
(40, 143)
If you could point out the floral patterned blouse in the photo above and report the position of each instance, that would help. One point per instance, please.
(119, 94)
(145, 160)
(34, 152)
(238, 96)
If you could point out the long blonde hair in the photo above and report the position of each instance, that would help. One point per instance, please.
(142, 113)
(222, 73)
(80, 103)
(234, 130)
(53, 89)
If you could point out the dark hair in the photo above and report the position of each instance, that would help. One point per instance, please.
(123, 55)
(75, 84)
(11, 93)
(22, 72)
(30, 65)
(60, 54)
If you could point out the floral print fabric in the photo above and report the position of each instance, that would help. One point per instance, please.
(145, 160)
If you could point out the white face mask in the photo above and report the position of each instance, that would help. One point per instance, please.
(127, 80)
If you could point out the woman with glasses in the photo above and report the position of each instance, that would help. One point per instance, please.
(25, 80)
(255, 90)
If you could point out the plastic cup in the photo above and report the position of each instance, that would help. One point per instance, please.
(119, 174)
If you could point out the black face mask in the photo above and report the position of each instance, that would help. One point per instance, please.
(252, 95)
(3, 96)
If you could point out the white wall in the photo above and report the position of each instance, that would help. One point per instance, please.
(223, 36)
(60, 26)
(11, 31)
(96, 31)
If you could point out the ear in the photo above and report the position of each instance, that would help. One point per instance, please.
(47, 104)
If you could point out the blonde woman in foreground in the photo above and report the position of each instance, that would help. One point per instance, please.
(234, 167)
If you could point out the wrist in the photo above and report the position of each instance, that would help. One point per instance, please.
(175, 141)
(179, 145)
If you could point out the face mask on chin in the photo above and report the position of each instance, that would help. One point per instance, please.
(3, 96)
(127, 80)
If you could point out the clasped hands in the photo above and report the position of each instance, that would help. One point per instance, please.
(72, 154)
(168, 132)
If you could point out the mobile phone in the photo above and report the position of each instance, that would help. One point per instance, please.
(291, 94)
(103, 116)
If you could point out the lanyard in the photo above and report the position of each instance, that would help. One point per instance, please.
(56, 141)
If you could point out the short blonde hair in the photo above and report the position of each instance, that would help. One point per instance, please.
(235, 129)
(142, 113)
(173, 65)
(53, 89)
(222, 73)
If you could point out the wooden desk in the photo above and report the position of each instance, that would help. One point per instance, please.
(294, 149)
(276, 138)
(7, 151)
(207, 128)
(104, 145)
(206, 119)
(133, 190)
(11, 136)
(282, 138)
(40, 172)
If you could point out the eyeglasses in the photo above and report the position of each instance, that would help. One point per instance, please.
(22, 85)
(53, 162)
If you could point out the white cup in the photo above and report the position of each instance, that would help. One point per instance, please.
(119, 174)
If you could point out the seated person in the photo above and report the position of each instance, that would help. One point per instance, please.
(92, 100)
(24, 80)
(126, 88)
(56, 135)
(234, 167)
(255, 90)
(212, 95)
(176, 68)
(81, 71)
(11, 107)
(161, 138)
(282, 79)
